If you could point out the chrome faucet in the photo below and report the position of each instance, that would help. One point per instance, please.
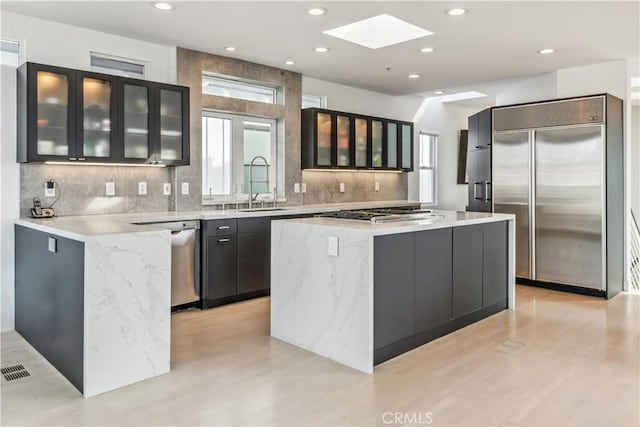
(253, 198)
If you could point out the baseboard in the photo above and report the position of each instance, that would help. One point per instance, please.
(236, 298)
(562, 287)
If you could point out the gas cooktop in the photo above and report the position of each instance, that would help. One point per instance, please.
(382, 215)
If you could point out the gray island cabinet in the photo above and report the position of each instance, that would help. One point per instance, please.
(362, 293)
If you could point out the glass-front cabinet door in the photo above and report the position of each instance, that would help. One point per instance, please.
(361, 142)
(392, 145)
(136, 121)
(406, 146)
(96, 111)
(172, 127)
(376, 143)
(323, 137)
(54, 116)
(343, 137)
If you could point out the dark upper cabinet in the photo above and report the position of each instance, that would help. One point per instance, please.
(73, 115)
(337, 140)
(479, 162)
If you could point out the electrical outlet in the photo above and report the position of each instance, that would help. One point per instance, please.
(110, 189)
(185, 189)
(142, 188)
(304, 187)
(50, 188)
(377, 186)
(342, 187)
(166, 189)
(296, 187)
(332, 246)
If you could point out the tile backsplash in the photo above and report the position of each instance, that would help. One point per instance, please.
(324, 187)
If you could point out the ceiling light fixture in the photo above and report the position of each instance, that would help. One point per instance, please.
(457, 11)
(162, 5)
(317, 11)
(427, 50)
(546, 51)
(414, 76)
(438, 92)
(230, 48)
(289, 62)
(321, 49)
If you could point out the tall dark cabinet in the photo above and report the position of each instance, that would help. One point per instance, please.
(79, 116)
(479, 162)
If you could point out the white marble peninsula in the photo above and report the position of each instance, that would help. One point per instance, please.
(360, 293)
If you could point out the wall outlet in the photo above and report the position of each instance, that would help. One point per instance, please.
(342, 187)
(110, 189)
(185, 189)
(166, 189)
(50, 189)
(377, 186)
(304, 187)
(332, 246)
(296, 187)
(142, 188)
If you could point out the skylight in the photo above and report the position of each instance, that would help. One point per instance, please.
(379, 31)
(461, 96)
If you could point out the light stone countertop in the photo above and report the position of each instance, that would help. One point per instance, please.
(82, 227)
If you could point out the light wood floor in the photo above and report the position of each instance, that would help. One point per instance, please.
(558, 359)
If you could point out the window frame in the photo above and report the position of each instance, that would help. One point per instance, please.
(237, 157)
(117, 71)
(276, 95)
(321, 98)
(434, 166)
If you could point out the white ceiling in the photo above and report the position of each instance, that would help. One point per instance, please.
(493, 41)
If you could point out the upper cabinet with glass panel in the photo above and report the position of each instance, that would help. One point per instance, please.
(72, 115)
(337, 140)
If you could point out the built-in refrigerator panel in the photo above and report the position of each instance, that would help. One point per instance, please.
(569, 194)
(511, 172)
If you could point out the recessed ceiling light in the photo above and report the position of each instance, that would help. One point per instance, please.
(317, 11)
(546, 51)
(321, 49)
(230, 48)
(288, 62)
(427, 50)
(438, 92)
(414, 76)
(162, 5)
(457, 11)
(379, 31)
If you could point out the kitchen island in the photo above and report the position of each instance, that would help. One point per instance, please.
(360, 293)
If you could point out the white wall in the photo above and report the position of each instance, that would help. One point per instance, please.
(63, 45)
(444, 120)
(346, 98)
(529, 89)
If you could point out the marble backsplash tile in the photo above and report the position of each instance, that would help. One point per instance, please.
(324, 187)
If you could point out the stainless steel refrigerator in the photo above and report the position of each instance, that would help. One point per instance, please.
(558, 167)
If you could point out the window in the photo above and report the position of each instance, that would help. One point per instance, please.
(427, 169)
(119, 66)
(229, 144)
(317, 101)
(9, 52)
(231, 88)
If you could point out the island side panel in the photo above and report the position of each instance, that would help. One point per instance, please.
(511, 278)
(49, 298)
(319, 302)
(127, 309)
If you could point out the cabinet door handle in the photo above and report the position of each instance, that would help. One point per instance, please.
(475, 191)
(81, 158)
(223, 227)
(487, 199)
(223, 240)
(72, 158)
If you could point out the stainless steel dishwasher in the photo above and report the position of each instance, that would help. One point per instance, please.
(185, 263)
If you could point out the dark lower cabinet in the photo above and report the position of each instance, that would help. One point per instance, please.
(467, 269)
(433, 267)
(494, 269)
(221, 274)
(393, 288)
(254, 262)
(49, 300)
(430, 283)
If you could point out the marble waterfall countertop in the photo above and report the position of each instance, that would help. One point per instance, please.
(81, 227)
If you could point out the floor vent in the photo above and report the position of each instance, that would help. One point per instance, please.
(14, 372)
